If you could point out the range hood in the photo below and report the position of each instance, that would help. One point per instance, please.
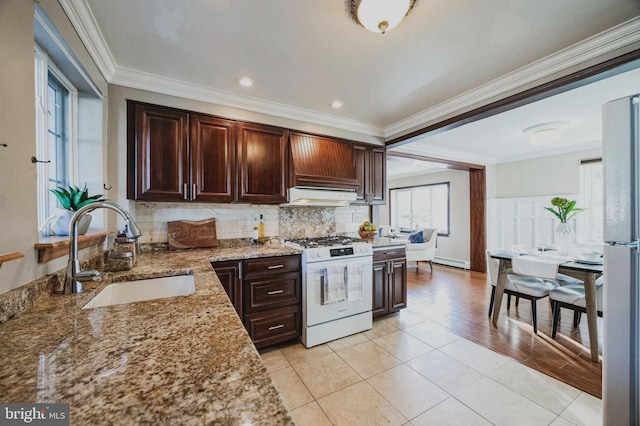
(300, 197)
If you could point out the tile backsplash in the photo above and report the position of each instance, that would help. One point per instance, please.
(237, 220)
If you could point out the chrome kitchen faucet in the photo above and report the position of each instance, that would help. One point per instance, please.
(75, 276)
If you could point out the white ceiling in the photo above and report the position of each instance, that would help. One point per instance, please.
(443, 58)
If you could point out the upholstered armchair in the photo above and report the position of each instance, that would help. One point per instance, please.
(425, 251)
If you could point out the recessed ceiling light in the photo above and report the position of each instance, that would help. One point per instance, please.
(337, 104)
(246, 82)
(544, 133)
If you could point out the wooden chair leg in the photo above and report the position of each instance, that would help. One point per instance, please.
(508, 302)
(492, 301)
(517, 301)
(534, 314)
(431, 265)
(417, 266)
(556, 319)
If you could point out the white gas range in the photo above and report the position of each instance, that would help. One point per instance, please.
(337, 288)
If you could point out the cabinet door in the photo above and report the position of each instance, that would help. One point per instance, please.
(360, 154)
(377, 176)
(380, 289)
(397, 284)
(157, 150)
(262, 164)
(213, 142)
(229, 274)
(269, 292)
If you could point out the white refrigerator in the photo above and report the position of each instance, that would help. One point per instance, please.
(621, 316)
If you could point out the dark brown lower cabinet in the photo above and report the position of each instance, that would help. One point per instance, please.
(230, 275)
(267, 294)
(389, 280)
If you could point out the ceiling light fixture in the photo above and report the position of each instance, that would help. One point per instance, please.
(544, 134)
(246, 82)
(337, 104)
(379, 16)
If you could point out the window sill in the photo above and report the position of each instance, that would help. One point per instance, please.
(53, 247)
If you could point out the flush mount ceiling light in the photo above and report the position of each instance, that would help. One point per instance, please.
(379, 16)
(245, 82)
(544, 133)
(337, 104)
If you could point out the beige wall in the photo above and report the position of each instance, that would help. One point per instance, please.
(18, 203)
(456, 245)
(558, 174)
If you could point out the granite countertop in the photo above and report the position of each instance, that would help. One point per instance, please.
(182, 360)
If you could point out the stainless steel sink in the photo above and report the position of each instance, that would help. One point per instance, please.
(141, 290)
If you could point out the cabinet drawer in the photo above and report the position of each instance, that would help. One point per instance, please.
(272, 292)
(387, 253)
(274, 326)
(271, 265)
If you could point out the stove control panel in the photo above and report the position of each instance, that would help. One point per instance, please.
(342, 251)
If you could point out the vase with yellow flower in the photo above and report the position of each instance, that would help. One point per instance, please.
(564, 210)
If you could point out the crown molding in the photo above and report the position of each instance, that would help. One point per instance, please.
(579, 53)
(167, 86)
(85, 24)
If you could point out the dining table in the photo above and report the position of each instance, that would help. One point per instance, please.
(587, 272)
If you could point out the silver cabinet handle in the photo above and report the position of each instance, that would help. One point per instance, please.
(275, 327)
(390, 252)
(194, 193)
(185, 194)
(275, 292)
(275, 267)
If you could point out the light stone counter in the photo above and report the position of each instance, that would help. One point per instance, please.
(184, 360)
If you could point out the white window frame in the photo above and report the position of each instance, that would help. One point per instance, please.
(43, 65)
(590, 222)
(393, 207)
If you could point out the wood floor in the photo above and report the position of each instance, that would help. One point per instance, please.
(459, 300)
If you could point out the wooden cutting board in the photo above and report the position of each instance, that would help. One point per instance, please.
(184, 234)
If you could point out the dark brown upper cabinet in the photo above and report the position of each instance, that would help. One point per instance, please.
(158, 153)
(213, 145)
(323, 162)
(370, 166)
(176, 155)
(262, 163)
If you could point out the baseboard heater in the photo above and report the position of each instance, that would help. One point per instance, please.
(456, 263)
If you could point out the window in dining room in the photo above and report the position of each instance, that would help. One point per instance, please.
(420, 207)
(590, 223)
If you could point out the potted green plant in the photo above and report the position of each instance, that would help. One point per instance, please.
(72, 199)
(564, 210)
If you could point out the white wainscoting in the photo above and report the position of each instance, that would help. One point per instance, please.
(522, 221)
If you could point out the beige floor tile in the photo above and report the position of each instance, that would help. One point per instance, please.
(561, 422)
(326, 374)
(402, 345)
(380, 328)
(432, 334)
(404, 319)
(552, 394)
(310, 415)
(297, 353)
(475, 356)
(502, 406)
(293, 391)
(585, 410)
(360, 404)
(274, 359)
(345, 342)
(407, 390)
(450, 412)
(368, 359)
(444, 371)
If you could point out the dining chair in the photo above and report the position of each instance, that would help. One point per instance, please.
(573, 297)
(527, 287)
